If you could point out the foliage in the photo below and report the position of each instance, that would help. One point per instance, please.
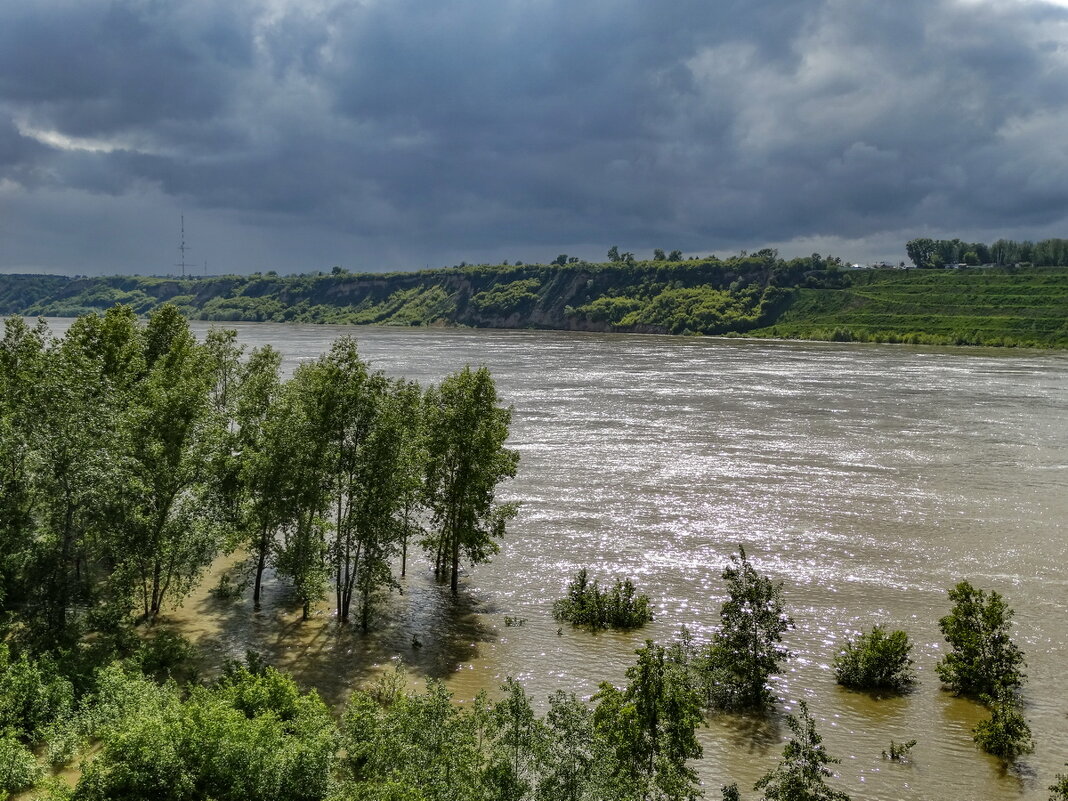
(746, 650)
(18, 766)
(33, 696)
(586, 604)
(1058, 791)
(984, 660)
(466, 460)
(803, 771)
(899, 752)
(649, 727)
(505, 299)
(254, 736)
(875, 661)
(1006, 734)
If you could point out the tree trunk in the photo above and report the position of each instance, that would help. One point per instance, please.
(455, 564)
(261, 564)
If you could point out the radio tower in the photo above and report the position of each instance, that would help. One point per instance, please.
(182, 248)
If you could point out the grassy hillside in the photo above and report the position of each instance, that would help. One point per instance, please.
(756, 295)
(980, 307)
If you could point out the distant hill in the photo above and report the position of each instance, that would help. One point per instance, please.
(757, 295)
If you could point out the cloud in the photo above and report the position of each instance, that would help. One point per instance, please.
(396, 134)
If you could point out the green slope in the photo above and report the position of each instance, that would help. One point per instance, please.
(756, 295)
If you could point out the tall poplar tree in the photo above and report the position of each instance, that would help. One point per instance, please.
(466, 460)
(169, 533)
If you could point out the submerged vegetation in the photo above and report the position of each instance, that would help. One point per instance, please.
(755, 294)
(587, 604)
(875, 661)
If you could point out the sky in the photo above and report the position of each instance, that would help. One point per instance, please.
(296, 135)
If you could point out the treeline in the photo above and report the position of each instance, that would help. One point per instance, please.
(752, 294)
(707, 296)
(132, 455)
(934, 253)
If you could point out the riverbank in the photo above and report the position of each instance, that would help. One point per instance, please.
(751, 296)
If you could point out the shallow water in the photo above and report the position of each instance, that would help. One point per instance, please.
(868, 478)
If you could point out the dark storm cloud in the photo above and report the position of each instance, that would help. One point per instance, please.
(406, 131)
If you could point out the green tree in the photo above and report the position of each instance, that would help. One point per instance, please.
(875, 661)
(649, 727)
(746, 649)
(984, 659)
(22, 356)
(1006, 734)
(518, 744)
(658, 254)
(613, 253)
(675, 255)
(263, 460)
(168, 526)
(466, 460)
(420, 745)
(301, 429)
(574, 757)
(921, 251)
(802, 773)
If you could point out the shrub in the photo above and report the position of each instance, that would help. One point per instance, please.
(899, 751)
(1058, 791)
(18, 768)
(586, 604)
(875, 661)
(1006, 734)
(984, 660)
(32, 695)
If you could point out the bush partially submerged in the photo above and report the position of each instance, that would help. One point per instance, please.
(1006, 734)
(586, 604)
(875, 661)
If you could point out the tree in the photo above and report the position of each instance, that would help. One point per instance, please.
(984, 659)
(658, 254)
(518, 743)
(802, 773)
(262, 469)
(875, 661)
(169, 527)
(921, 251)
(573, 758)
(675, 255)
(1006, 734)
(746, 649)
(649, 727)
(560, 260)
(613, 253)
(301, 429)
(466, 460)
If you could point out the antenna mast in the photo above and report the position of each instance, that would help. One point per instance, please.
(182, 248)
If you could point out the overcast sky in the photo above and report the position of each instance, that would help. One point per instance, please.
(379, 134)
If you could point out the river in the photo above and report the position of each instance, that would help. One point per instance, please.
(867, 478)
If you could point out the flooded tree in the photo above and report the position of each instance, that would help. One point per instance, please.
(984, 659)
(875, 661)
(747, 648)
(649, 726)
(466, 460)
(802, 774)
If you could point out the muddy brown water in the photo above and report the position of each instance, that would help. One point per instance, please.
(868, 478)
